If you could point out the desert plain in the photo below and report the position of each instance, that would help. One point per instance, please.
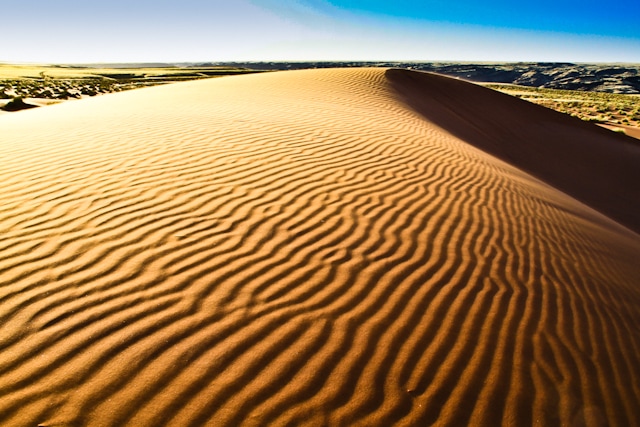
(327, 247)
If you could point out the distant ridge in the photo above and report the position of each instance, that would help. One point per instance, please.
(614, 78)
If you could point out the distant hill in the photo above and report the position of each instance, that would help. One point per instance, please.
(589, 77)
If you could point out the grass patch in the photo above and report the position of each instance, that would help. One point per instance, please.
(589, 106)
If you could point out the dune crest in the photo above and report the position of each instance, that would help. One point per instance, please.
(591, 164)
(302, 248)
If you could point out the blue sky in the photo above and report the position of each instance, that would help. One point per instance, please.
(264, 30)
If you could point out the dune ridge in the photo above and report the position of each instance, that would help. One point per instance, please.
(300, 248)
(593, 165)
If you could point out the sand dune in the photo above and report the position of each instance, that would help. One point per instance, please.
(591, 164)
(321, 247)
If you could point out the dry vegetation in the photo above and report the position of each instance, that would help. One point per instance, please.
(603, 108)
(55, 83)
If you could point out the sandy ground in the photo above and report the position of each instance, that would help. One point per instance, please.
(631, 131)
(321, 247)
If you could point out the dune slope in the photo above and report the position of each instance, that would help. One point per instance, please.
(301, 248)
(594, 165)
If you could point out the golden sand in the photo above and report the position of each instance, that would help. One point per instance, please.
(322, 247)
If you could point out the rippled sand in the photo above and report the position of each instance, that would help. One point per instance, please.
(321, 247)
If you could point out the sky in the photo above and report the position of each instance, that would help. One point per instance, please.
(86, 31)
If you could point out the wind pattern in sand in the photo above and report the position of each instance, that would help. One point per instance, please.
(299, 248)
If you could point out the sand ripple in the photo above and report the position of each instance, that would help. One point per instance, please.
(299, 248)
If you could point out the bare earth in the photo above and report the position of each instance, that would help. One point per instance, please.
(318, 247)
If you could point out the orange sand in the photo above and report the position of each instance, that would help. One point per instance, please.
(321, 247)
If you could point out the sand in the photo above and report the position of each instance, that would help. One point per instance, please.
(631, 131)
(319, 247)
